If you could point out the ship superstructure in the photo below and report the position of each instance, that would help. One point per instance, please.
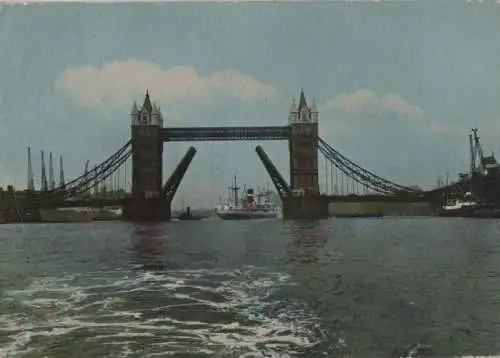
(254, 206)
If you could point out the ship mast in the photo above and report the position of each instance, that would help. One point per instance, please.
(61, 173)
(234, 188)
(31, 180)
(52, 183)
(44, 176)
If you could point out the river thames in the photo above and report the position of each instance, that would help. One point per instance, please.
(392, 287)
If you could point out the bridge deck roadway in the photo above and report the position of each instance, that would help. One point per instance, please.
(184, 134)
(375, 198)
(80, 203)
(96, 203)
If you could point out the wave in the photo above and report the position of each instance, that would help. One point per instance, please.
(130, 312)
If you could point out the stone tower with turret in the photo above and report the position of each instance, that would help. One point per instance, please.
(147, 159)
(303, 147)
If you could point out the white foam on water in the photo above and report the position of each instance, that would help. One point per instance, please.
(58, 306)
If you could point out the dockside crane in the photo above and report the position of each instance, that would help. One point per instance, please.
(485, 163)
(61, 173)
(478, 151)
(31, 177)
(52, 182)
(44, 186)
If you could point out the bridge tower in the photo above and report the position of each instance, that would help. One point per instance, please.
(305, 201)
(146, 203)
(303, 147)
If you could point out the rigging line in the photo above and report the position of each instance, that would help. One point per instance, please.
(358, 174)
(339, 157)
(101, 177)
(110, 169)
(362, 176)
(83, 181)
(346, 172)
(108, 174)
(363, 173)
(326, 174)
(112, 158)
(338, 163)
(331, 178)
(323, 142)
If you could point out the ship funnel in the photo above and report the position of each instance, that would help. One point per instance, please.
(250, 198)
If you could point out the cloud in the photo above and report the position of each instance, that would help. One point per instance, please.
(366, 101)
(120, 83)
(440, 128)
(454, 129)
(490, 129)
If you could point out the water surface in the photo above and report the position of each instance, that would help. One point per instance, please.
(341, 287)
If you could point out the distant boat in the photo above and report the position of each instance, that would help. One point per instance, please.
(458, 208)
(187, 215)
(470, 209)
(360, 215)
(248, 208)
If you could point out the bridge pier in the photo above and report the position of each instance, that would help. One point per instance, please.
(305, 207)
(146, 210)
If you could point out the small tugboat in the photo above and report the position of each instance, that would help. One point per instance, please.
(458, 208)
(360, 215)
(469, 208)
(187, 215)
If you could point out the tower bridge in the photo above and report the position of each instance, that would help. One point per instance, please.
(151, 197)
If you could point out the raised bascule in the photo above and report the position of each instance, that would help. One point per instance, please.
(151, 197)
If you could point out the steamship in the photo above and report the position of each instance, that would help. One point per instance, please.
(259, 206)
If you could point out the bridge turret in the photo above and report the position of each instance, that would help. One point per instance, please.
(134, 115)
(161, 117)
(156, 116)
(143, 116)
(314, 112)
(293, 114)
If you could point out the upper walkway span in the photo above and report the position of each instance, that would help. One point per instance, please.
(188, 134)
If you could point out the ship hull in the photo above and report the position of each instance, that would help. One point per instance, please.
(244, 215)
(462, 212)
(360, 215)
(189, 217)
(477, 212)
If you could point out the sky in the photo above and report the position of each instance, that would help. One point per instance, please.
(398, 85)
